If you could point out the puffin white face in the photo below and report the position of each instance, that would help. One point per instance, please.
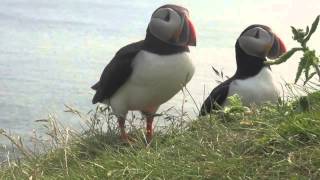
(260, 41)
(171, 24)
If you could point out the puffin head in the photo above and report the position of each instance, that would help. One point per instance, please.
(259, 41)
(171, 24)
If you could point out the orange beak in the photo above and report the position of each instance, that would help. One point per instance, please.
(283, 48)
(278, 48)
(192, 36)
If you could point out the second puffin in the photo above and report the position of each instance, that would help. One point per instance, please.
(253, 80)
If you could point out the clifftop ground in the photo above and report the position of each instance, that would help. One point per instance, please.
(269, 142)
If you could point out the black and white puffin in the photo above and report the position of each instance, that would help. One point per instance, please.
(143, 75)
(253, 80)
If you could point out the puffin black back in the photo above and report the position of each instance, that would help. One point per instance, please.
(119, 67)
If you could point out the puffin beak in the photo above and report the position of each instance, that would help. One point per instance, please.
(278, 48)
(192, 34)
(283, 48)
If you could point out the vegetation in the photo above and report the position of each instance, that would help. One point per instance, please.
(277, 141)
(309, 60)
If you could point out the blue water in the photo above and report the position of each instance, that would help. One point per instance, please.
(51, 52)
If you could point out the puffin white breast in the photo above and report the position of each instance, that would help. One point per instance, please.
(256, 90)
(154, 80)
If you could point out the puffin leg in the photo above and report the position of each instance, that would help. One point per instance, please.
(123, 134)
(149, 134)
(149, 114)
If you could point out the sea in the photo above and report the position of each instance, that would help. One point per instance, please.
(53, 51)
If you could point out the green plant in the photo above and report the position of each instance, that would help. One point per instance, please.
(309, 63)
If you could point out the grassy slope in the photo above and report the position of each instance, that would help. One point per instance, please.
(272, 142)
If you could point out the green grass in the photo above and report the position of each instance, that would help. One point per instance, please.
(270, 142)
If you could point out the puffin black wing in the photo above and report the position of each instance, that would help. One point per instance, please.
(216, 98)
(116, 72)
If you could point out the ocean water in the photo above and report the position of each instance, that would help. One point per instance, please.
(52, 52)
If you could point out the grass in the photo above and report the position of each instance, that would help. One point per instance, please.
(279, 141)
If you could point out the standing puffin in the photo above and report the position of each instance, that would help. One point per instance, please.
(143, 75)
(253, 80)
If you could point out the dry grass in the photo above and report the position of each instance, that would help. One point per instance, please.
(270, 142)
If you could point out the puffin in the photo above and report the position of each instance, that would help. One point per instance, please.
(253, 80)
(145, 74)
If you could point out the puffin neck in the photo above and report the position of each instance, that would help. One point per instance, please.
(154, 45)
(247, 66)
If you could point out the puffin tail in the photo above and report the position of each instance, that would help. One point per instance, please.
(206, 108)
(96, 86)
(97, 97)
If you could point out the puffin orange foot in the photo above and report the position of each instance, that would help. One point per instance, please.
(149, 135)
(127, 139)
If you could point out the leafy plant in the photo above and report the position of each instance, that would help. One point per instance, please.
(309, 62)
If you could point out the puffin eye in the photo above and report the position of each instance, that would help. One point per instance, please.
(163, 14)
(167, 17)
(257, 35)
